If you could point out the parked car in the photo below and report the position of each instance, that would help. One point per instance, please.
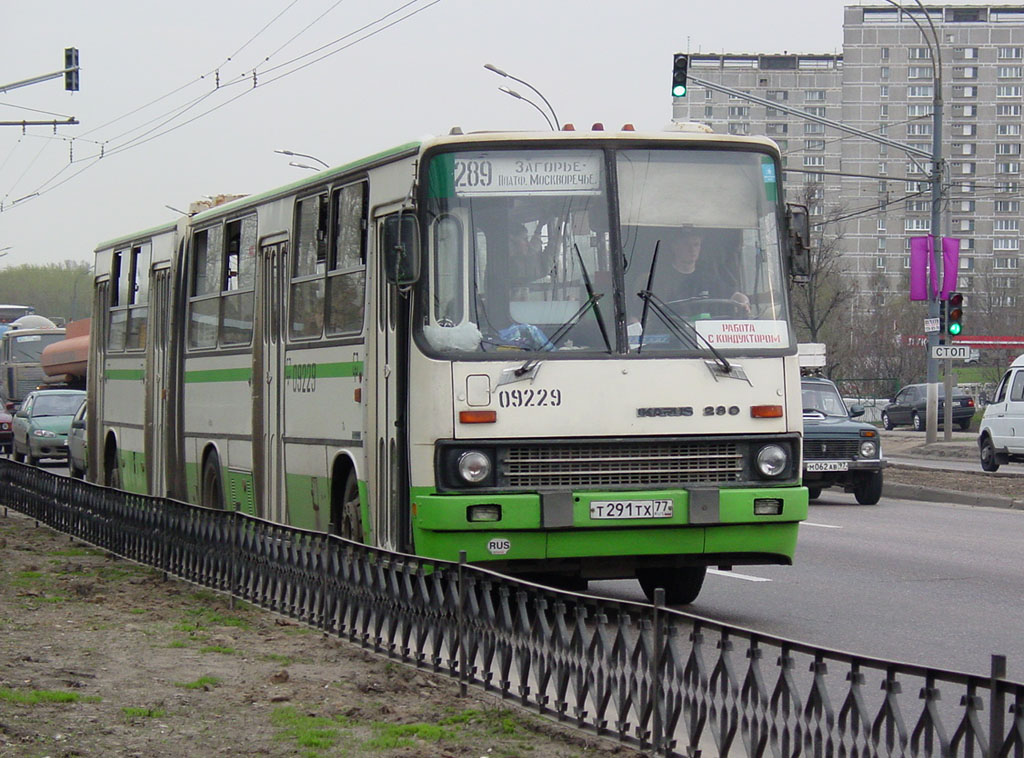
(909, 408)
(1001, 436)
(838, 451)
(6, 430)
(42, 424)
(78, 448)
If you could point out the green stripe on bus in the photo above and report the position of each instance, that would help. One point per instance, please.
(218, 375)
(327, 370)
(126, 374)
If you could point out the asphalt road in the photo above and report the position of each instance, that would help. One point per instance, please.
(925, 583)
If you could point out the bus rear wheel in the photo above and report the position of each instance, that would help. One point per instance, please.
(212, 493)
(350, 518)
(682, 584)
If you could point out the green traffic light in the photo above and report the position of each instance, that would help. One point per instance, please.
(955, 329)
(679, 90)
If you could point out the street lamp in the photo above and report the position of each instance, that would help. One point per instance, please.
(303, 155)
(931, 415)
(516, 95)
(303, 165)
(499, 72)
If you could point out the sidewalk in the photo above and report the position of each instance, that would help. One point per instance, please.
(909, 451)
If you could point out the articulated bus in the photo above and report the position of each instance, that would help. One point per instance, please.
(479, 343)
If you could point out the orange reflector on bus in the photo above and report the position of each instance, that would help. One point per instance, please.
(478, 417)
(357, 395)
(766, 411)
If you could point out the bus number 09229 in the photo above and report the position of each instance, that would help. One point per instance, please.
(539, 398)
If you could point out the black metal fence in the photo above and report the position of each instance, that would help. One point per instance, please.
(658, 679)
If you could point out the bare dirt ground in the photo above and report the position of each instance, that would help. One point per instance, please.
(100, 657)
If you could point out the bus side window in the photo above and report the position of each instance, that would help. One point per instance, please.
(447, 298)
(238, 288)
(204, 305)
(118, 310)
(306, 306)
(346, 279)
(138, 296)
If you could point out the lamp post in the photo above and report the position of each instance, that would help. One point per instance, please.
(296, 164)
(303, 155)
(513, 93)
(931, 411)
(491, 67)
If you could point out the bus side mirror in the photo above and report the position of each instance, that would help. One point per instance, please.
(401, 251)
(797, 220)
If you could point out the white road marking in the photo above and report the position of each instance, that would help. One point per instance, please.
(823, 526)
(734, 575)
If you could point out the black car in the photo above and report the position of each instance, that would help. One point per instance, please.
(838, 451)
(909, 406)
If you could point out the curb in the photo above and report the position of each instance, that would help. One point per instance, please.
(933, 494)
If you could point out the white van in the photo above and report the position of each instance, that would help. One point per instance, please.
(1001, 436)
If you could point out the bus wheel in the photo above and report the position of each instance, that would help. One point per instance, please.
(111, 471)
(351, 526)
(681, 583)
(212, 493)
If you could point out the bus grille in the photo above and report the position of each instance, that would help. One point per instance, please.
(831, 449)
(616, 464)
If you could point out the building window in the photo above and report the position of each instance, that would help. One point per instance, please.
(964, 148)
(1006, 243)
(884, 53)
(814, 161)
(1007, 110)
(1006, 225)
(1007, 148)
(778, 95)
(965, 53)
(922, 90)
(965, 72)
(883, 168)
(883, 110)
(883, 91)
(816, 110)
(1009, 72)
(739, 111)
(739, 128)
(965, 206)
(774, 129)
(917, 224)
(1008, 90)
(1011, 53)
(708, 94)
(1007, 206)
(881, 223)
(709, 111)
(880, 260)
(963, 224)
(965, 130)
(1008, 130)
(966, 263)
(920, 129)
(814, 96)
(814, 144)
(1011, 167)
(920, 111)
(919, 53)
(814, 128)
(923, 72)
(1005, 263)
(966, 91)
(883, 72)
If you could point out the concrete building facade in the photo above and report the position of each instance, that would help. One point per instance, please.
(883, 82)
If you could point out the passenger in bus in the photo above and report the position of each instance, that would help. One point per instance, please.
(527, 256)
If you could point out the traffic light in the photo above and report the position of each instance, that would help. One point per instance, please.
(955, 314)
(71, 69)
(679, 65)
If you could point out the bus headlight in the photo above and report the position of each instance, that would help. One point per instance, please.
(772, 460)
(868, 449)
(474, 466)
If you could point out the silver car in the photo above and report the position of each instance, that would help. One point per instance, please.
(78, 448)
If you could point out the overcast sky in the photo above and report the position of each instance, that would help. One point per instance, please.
(336, 79)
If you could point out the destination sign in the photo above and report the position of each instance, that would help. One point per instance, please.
(498, 174)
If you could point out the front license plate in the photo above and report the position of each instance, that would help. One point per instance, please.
(827, 466)
(612, 509)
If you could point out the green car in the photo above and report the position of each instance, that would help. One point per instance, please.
(42, 424)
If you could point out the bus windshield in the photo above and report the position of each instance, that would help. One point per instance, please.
(524, 254)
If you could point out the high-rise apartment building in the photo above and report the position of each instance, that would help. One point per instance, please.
(884, 83)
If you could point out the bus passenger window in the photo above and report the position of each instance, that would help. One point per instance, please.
(346, 282)
(239, 282)
(118, 315)
(138, 297)
(306, 306)
(204, 307)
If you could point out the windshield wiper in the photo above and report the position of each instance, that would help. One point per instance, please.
(564, 329)
(682, 329)
(591, 297)
(650, 286)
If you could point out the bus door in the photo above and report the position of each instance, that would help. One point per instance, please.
(386, 375)
(96, 370)
(268, 380)
(158, 375)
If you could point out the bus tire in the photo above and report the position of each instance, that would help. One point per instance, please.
(211, 493)
(681, 583)
(349, 523)
(111, 469)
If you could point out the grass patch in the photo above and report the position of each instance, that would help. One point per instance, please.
(203, 682)
(177, 644)
(391, 736)
(143, 713)
(318, 732)
(76, 552)
(203, 617)
(218, 649)
(35, 697)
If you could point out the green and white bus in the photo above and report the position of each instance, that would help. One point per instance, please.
(476, 342)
